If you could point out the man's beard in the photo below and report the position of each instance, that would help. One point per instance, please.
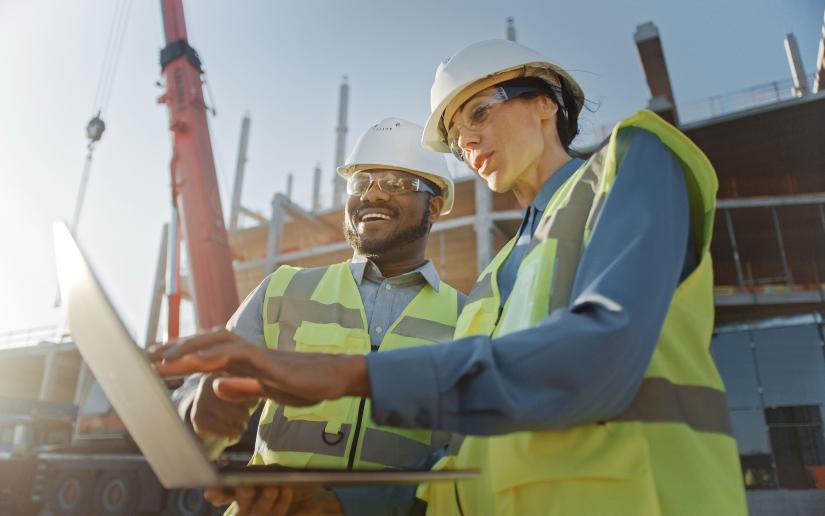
(376, 248)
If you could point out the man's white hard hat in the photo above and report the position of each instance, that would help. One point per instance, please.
(482, 65)
(395, 143)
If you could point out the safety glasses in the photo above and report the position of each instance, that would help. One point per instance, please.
(389, 181)
(475, 113)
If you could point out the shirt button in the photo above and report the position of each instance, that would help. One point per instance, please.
(379, 329)
(388, 286)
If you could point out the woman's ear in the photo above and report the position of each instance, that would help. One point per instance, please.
(546, 107)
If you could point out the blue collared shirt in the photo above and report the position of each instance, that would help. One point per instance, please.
(532, 216)
(582, 364)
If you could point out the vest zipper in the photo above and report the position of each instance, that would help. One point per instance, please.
(498, 317)
(354, 449)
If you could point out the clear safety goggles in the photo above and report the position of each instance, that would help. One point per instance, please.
(389, 181)
(475, 113)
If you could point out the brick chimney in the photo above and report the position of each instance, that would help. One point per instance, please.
(658, 81)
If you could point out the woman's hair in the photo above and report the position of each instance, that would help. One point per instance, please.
(570, 105)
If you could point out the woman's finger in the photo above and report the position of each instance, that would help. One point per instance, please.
(237, 389)
(191, 344)
(189, 364)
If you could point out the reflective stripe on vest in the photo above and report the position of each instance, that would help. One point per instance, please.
(322, 307)
(671, 451)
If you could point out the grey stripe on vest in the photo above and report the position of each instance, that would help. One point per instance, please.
(296, 306)
(566, 225)
(424, 329)
(703, 409)
(482, 289)
(302, 436)
(455, 444)
(393, 450)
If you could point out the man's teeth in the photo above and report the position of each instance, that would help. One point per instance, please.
(373, 216)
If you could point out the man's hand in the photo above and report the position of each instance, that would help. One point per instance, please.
(287, 377)
(213, 416)
(260, 501)
(297, 501)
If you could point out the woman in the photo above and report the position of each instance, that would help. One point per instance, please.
(580, 369)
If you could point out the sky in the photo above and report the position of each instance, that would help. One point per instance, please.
(283, 62)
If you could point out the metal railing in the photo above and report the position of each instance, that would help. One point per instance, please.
(711, 107)
(30, 336)
(728, 103)
(783, 286)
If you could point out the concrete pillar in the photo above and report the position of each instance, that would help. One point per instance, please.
(483, 224)
(800, 80)
(273, 239)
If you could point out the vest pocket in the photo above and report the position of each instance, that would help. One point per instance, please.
(325, 338)
(599, 453)
(313, 337)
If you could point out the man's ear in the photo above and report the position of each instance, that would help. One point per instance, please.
(436, 203)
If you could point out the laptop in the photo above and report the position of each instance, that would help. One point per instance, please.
(142, 401)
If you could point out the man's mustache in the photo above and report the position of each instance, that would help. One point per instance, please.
(356, 214)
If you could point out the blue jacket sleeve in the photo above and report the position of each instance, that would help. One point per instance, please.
(582, 364)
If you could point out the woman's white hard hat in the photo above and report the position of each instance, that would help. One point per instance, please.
(395, 143)
(480, 63)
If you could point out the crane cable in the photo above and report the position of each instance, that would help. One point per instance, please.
(96, 126)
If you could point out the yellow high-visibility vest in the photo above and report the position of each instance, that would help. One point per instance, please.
(320, 310)
(672, 452)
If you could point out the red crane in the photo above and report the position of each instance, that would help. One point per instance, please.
(195, 191)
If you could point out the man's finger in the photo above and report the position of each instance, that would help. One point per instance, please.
(217, 496)
(265, 500)
(244, 495)
(283, 502)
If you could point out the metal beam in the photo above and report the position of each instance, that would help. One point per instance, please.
(273, 238)
(254, 215)
(483, 224)
(800, 80)
(767, 202)
(158, 289)
(735, 249)
(781, 242)
(819, 80)
(768, 298)
(467, 220)
(239, 171)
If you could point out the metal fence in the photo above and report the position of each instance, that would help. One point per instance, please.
(31, 336)
(711, 107)
(783, 237)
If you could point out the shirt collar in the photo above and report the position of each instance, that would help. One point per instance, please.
(554, 183)
(362, 267)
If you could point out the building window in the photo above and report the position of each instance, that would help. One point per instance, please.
(797, 443)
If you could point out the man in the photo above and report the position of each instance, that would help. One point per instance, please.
(388, 296)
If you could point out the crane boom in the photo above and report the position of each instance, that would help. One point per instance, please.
(194, 182)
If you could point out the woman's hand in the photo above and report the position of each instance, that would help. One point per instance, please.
(287, 377)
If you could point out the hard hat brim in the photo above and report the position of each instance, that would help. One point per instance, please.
(433, 138)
